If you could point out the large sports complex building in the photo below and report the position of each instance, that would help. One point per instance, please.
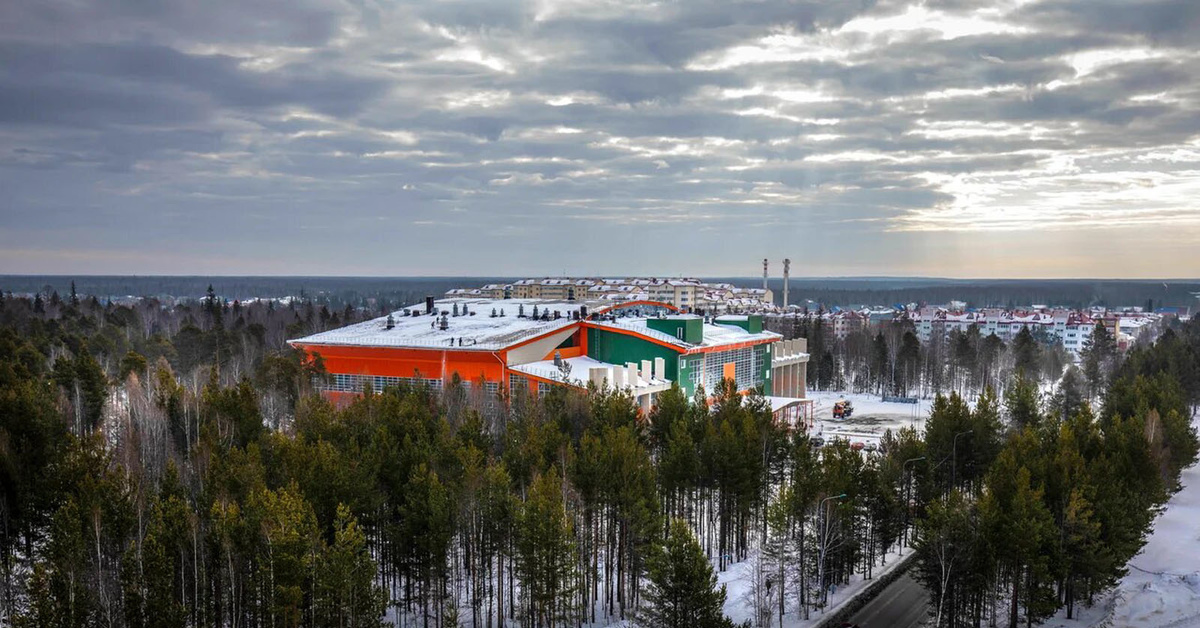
(534, 344)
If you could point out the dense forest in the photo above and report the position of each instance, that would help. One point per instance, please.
(170, 466)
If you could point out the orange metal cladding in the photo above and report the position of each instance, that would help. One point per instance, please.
(432, 363)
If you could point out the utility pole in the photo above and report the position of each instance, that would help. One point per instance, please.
(825, 546)
(907, 498)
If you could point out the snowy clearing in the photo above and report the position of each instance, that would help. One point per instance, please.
(871, 417)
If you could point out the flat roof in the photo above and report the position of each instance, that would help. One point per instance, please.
(578, 373)
(478, 332)
(714, 335)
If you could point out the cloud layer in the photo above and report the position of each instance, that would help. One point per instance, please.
(359, 137)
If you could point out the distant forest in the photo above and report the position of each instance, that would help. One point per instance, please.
(381, 293)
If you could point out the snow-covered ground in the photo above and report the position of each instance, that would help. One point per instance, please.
(739, 604)
(871, 417)
(1162, 587)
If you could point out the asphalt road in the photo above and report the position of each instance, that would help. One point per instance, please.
(903, 604)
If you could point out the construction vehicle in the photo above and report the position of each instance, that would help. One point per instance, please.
(843, 409)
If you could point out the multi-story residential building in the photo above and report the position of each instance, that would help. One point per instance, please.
(1068, 327)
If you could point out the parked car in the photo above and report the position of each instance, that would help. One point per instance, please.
(856, 446)
(817, 442)
(870, 446)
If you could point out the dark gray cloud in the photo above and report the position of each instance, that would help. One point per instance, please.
(352, 137)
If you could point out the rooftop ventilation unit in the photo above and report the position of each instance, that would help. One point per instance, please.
(444, 323)
(391, 322)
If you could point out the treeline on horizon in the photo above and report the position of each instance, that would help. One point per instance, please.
(358, 291)
(170, 467)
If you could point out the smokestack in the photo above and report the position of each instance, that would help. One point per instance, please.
(787, 267)
(429, 305)
(764, 273)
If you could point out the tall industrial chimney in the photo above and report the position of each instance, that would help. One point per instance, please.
(787, 267)
(764, 273)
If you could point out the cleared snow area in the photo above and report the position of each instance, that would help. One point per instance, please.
(870, 419)
(1162, 587)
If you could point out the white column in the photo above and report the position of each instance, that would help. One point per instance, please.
(597, 375)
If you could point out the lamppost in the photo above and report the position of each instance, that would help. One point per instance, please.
(907, 507)
(825, 544)
(954, 459)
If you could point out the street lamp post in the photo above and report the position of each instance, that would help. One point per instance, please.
(825, 544)
(954, 459)
(907, 482)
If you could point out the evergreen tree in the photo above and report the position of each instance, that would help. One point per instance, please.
(1098, 358)
(546, 551)
(1026, 354)
(349, 594)
(1021, 402)
(1069, 395)
(682, 590)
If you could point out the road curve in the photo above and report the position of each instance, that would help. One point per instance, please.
(903, 604)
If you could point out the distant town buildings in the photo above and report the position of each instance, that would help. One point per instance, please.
(1070, 328)
(690, 295)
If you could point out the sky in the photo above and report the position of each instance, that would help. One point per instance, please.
(954, 138)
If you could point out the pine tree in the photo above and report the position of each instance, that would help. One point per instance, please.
(1026, 354)
(1021, 402)
(1098, 358)
(546, 550)
(346, 586)
(1068, 396)
(682, 591)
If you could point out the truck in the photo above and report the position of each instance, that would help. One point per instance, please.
(843, 409)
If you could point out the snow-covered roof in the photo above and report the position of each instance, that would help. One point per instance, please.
(714, 335)
(479, 331)
(578, 371)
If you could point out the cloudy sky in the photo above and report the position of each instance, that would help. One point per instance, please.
(365, 137)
